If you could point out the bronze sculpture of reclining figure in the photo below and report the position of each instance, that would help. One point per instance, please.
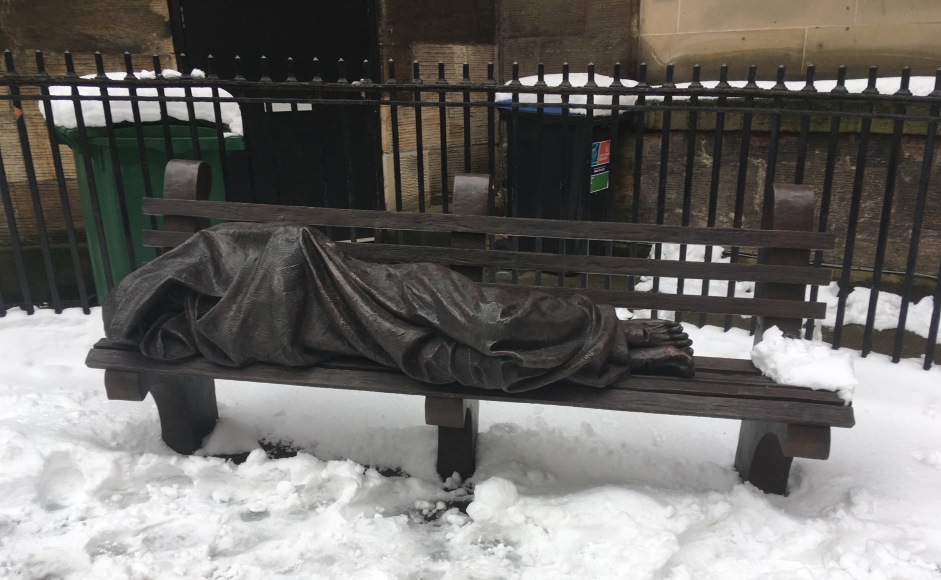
(241, 293)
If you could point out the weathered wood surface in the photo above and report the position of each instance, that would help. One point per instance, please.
(638, 393)
(792, 208)
(766, 448)
(693, 303)
(530, 227)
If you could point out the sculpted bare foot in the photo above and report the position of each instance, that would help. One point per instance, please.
(661, 360)
(651, 332)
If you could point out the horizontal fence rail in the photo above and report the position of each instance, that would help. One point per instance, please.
(82, 154)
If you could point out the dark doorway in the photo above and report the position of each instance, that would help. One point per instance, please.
(321, 155)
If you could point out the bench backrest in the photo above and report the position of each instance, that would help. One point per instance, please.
(781, 277)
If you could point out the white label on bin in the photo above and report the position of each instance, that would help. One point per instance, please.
(286, 107)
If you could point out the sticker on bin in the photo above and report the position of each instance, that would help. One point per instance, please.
(599, 178)
(600, 153)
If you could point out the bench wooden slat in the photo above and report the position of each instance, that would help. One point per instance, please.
(616, 266)
(530, 227)
(638, 393)
(713, 376)
(691, 303)
(726, 365)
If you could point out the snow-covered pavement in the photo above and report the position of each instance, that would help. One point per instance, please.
(88, 490)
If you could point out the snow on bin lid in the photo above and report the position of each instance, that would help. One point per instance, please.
(93, 112)
(577, 80)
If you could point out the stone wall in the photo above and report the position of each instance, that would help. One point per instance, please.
(795, 33)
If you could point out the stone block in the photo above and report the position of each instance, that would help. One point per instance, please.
(891, 46)
(765, 48)
(460, 21)
(752, 15)
(659, 16)
(897, 11)
(543, 18)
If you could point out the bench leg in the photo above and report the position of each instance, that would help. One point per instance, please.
(766, 450)
(456, 420)
(187, 409)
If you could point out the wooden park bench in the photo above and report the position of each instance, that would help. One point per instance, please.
(779, 422)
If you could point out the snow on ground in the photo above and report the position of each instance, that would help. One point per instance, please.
(122, 111)
(88, 490)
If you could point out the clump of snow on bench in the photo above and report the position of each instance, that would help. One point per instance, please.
(804, 363)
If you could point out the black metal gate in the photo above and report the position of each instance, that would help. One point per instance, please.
(331, 150)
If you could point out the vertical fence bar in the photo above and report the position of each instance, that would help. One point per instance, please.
(717, 140)
(33, 183)
(217, 116)
(853, 219)
(347, 146)
(640, 121)
(374, 98)
(162, 103)
(394, 121)
(317, 80)
(249, 164)
(117, 172)
(514, 169)
(540, 100)
(770, 171)
(692, 121)
(268, 126)
(443, 136)
(917, 222)
(825, 195)
(396, 154)
(419, 147)
(664, 168)
(63, 188)
(772, 163)
(608, 215)
(584, 188)
(190, 106)
(18, 261)
(466, 106)
(491, 155)
(742, 175)
(131, 78)
(886, 215)
(935, 321)
(310, 194)
(491, 136)
(804, 128)
(566, 182)
(89, 168)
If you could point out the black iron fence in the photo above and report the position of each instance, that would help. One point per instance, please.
(77, 153)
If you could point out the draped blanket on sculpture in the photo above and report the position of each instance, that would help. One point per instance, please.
(241, 293)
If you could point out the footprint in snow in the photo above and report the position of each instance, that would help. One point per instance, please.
(61, 482)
